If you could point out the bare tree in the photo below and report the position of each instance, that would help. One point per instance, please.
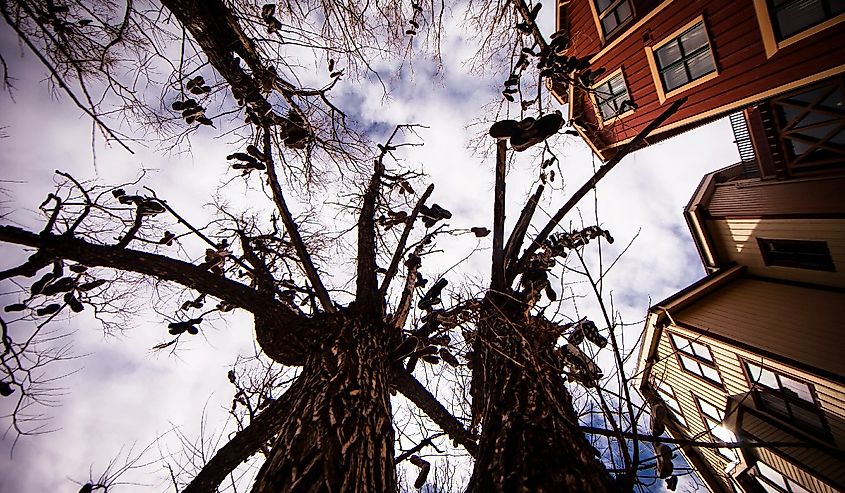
(330, 427)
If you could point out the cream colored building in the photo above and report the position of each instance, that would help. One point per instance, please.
(755, 351)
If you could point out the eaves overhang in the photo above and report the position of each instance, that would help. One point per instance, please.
(696, 215)
(660, 315)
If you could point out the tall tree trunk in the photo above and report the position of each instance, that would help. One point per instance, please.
(338, 435)
(530, 439)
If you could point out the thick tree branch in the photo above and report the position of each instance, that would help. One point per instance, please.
(521, 227)
(525, 12)
(217, 31)
(423, 399)
(400, 248)
(403, 309)
(298, 331)
(240, 447)
(589, 185)
(366, 294)
(497, 273)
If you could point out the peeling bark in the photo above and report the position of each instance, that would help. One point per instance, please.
(530, 438)
(338, 435)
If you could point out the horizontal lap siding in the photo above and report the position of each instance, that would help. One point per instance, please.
(798, 323)
(796, 474)
(738, 47)
(736, 241)
(687, 387)
(584, 37)
(752, 198)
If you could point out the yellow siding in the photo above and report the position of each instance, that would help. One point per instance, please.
(687, 387)
(795, 473)
(736, 241)
(799, 323)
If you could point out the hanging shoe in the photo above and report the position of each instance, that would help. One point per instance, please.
(504, 129)
(541, 130)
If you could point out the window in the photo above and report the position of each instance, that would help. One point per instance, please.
(613, 14)
(685, 58)
(802, 254)
(611, 96)
(668, 396)
(775, 482)
(696, 358)
(713, 417)
(790, 17)
(785, 397)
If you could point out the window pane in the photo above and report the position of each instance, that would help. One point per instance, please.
(711, 373)
(607, 109)
(701, 351)
(609, 23)
(795, 17)
(617, 85)
(753, 371)
(770, 474)
(728, 454)
(774, 403)
(723, 434)
(603, 5)
(800, 389)
(621, 99)
(668, 54)
(767, 487)
(710, 411)
(675, 77)
(807, 417)
(768, 379)
(701, 65)
(691, 365)
(623, 11)
(694, 39)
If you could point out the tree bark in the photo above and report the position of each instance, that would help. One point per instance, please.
(530, 438)
(338, 435)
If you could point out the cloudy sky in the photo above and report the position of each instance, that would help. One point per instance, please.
(119, 397)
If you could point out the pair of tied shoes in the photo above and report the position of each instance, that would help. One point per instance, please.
(529, 131)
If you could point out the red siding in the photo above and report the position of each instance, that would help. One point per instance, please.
(740, 56)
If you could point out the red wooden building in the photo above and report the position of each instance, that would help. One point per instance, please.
(780, 62)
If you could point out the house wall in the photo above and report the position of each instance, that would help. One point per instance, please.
(797, 323)
(830, 396)
(803, 465)
(754, 198)
(735, 240)
(746, 73)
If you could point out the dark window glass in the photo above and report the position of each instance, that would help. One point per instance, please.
(610, 96)
(613, 14)
(790, 17)
(685, 59)
(802, 254)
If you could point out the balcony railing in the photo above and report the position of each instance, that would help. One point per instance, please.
(742, 139)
